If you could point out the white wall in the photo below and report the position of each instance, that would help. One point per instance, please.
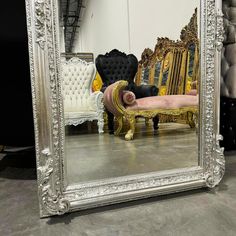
(150, 19)
(104, 27)
(131, 25)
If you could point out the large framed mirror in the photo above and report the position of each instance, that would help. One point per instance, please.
(98, 141)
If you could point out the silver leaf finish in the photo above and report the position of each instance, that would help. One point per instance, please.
(40, 20)
(52, 202)
(219, 30)
(55, 197)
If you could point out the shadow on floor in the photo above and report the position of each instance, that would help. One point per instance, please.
(67, 218)
(18, 165)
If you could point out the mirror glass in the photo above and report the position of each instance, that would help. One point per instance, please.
(164, 37)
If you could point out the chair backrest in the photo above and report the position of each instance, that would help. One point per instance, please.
(174, 64)
(115, 66)
(143, 73)
(162, 66)
(189, 36)
(167, 66)
(77, 78)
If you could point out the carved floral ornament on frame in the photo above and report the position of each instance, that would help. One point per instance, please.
(55, 196)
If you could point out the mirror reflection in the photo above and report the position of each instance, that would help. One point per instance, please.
(129, 77)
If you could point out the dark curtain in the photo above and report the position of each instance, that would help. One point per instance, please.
(16, 117)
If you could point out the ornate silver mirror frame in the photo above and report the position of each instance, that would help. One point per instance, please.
(57, 198)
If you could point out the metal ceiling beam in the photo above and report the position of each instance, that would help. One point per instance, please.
(76, 19)
(71, 11)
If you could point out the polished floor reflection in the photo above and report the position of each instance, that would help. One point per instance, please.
(91, 156)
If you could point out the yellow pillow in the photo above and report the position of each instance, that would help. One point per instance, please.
(97, 83)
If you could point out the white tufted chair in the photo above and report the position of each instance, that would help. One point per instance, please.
(80, 103)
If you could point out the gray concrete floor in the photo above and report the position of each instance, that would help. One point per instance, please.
(199, 212)
(92, 156)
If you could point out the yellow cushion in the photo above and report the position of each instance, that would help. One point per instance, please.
(97, 83)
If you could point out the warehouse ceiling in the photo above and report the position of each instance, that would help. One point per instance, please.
(70, 11)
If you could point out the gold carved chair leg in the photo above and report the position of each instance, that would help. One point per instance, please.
(130, 134)
(190, 119)
(146, 121)
(120, 125)
(195, 119)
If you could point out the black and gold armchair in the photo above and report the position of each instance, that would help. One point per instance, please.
(115, 66)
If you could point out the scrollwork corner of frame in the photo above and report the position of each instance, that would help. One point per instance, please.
(54, 205)
(52, 201)
(214, 177)
(210, 183)
(220, 159)
(219, 30)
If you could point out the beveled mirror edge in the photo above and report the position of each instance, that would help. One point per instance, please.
(54, 198)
